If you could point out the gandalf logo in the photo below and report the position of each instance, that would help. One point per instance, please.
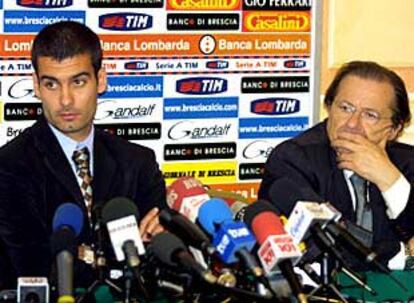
(21, 89)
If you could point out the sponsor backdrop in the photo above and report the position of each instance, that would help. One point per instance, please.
(211, 85)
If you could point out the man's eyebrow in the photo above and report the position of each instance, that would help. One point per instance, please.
(51, 78)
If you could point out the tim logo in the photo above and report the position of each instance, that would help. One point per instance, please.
(275, 106)
(44, 3)
(218, 64)
(201, 86)
(125, 22)
(136, 65)
(295, 63)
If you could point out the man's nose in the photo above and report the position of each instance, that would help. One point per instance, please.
(354, 120)
(66, 97)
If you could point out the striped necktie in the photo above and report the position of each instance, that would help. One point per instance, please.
(81, 159)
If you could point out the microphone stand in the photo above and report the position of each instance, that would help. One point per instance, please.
(100, 263)
(327, 286)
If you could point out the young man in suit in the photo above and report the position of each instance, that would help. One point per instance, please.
(367, 108)
(37, 169)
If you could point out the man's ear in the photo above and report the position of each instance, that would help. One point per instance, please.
(395, 132)
(36, 84)
(102, 80)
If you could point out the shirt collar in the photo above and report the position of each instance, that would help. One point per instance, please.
(69, 145)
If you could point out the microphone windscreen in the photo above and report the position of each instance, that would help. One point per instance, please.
(164, 245)
(213, 213)
(182, 227)
(183, 188)
(267, 224)
(63, 239)
(256, 208)
(68, 214)
(117, 208)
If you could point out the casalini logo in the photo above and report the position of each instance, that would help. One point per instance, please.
(45, 3)
(111, 109)
(201, 86)
(275, 106)
(22, 111)
(125, 22)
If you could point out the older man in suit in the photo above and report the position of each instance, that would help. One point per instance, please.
(38, 171)
(368, 108)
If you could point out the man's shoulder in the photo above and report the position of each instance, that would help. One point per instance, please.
(18, 146)
(314, 137)
(401, 150)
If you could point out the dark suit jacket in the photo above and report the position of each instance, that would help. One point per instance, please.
(304, 168)
(36, 177)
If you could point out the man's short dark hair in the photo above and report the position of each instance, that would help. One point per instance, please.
(374, 71)
(63, 40)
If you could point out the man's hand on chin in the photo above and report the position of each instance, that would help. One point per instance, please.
(367, 159)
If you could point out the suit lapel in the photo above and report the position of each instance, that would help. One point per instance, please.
(104, 168)
(55, 160)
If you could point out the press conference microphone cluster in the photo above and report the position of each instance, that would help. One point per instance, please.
(232, 240)
(228, 240)
(67, 225)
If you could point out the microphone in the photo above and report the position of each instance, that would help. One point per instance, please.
(306, 214)
(67, 225)
(121, 216)
(277, 248)
(186, 195)
(233, 240)
(313, 218)
(171, 250)
(186, 230)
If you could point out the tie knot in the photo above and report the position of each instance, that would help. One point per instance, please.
(81, 158)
